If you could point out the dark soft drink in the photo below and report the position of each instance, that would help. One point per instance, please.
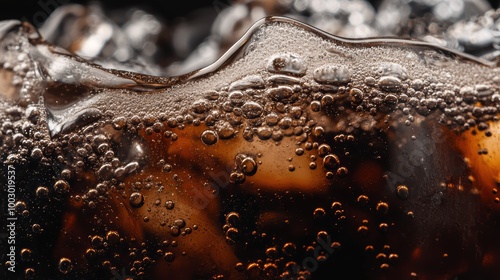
(297, 155)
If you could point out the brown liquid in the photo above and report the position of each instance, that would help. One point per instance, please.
(298, 155)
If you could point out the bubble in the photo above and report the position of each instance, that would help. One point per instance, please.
(252, 110)
(224, 130)
(248, 166)
(484, 90)
(390, 83)
(342, 171)
(65, 265)
(61, 187)
(237, 98)
(119, 123)
(363, 230)
(390, 99)
(283, 79)
(252, 81)
(200, 106)
(232, 234)
(280, 93)
(270, 271)
(393, 257)
(336, 205)
(253, 271)
(105, 171)
(66, 174)
(136, 199)
(113, 237)
(167, 167)
(362, 199)
(264, 132)
(381, 257)
(332, 74)
(169, 204)
(287, 63)
(296, 112)
(319, 132)
(319, 213)
(26, 254)
(209, 137)
(29, 273)
(402, 192)
(36, 154)
(331, 162)
(169, 256)
(42, 192)
(272, 252)
(180, 223)
(382, 208)
(327, 100)
(248, 134)
(272, 119)
(356, 95)
(175, 231)
(391, 69)
(468, 94)
(285, 123)
(289, 248)
(233, 218)
(36, 228)
(313, 165)
(315, 106)
(97, 241)
(323, 150)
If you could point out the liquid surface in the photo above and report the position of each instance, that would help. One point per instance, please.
(297, 155)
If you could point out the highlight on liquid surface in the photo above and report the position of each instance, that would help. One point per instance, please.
(297, 155)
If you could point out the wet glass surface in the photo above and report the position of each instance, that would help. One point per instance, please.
(275, 149)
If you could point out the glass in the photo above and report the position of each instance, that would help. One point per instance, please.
(296, 155)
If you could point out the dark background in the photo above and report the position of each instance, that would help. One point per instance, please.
(33, 11)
